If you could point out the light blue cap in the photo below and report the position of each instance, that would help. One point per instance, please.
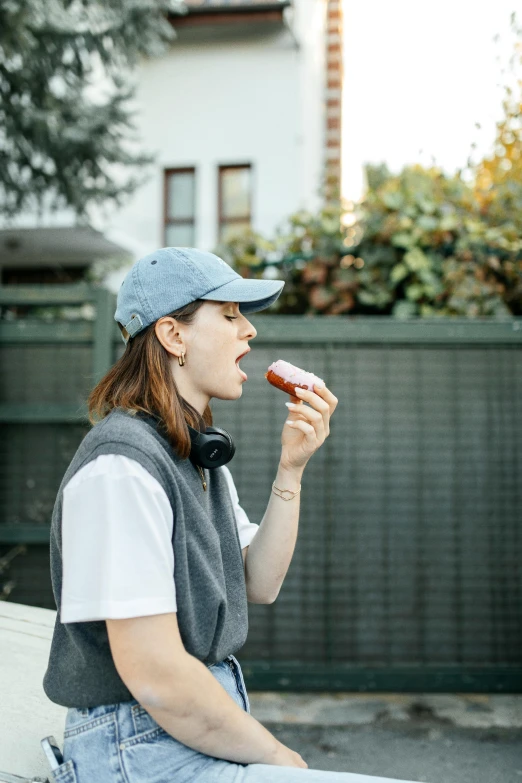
(172, 277)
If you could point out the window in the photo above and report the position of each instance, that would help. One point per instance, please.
(42, 275)
(179, 215)
(235, 200)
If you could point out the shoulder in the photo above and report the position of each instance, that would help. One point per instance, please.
(120, 431)
(112, 466)
(119, 423)
(125, 435)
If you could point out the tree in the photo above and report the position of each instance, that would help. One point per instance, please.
(498, 178)
(65, 117)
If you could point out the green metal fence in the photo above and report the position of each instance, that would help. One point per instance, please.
(406, 574)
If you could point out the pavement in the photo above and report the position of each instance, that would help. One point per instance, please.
(433, 738)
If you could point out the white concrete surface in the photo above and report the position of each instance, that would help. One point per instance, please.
(26, 714)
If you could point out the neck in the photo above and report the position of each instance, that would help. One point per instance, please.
(195, 399)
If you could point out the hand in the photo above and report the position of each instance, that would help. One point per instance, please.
(285, 757)
(309, 427)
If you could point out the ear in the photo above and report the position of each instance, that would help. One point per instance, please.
(169, 334)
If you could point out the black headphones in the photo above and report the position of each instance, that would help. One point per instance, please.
(212, 448)
(209, 449)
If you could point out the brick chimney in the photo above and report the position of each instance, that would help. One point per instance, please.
(334, 80)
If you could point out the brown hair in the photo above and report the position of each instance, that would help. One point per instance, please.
(141, 380)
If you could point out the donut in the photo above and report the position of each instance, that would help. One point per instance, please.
(286, 376)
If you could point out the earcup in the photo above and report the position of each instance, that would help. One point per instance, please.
(212, 448)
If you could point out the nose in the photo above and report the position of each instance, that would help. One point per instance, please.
(249, 330)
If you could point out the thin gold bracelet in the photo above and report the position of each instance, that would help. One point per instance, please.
(280, 492)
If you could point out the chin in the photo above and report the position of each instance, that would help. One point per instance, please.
(229, 394)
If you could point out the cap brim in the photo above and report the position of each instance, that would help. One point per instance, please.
(251, 295)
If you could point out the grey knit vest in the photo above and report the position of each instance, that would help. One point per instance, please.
(212, 609)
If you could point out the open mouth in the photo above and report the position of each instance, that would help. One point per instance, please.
(240, 371)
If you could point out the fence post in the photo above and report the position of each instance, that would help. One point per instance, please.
(102, 349)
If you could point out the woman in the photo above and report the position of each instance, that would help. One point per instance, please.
(152, 558)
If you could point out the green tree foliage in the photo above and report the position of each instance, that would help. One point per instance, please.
(443, 257)
(498, 178)
(421, 242)
(65, 117)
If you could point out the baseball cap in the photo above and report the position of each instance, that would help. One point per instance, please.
(171, 277)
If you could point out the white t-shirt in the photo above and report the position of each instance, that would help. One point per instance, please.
(117, 554)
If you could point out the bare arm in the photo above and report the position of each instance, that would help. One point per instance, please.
(184, 697)
(270, 551)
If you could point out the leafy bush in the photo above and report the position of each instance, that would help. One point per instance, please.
(419, 244)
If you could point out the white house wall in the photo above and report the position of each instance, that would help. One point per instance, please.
(251, 101)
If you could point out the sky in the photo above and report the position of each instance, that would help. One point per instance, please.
(417, 78)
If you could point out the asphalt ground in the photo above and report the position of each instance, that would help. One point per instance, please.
(428, 738)
(421, 753)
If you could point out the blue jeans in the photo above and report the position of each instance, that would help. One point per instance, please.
(122, 743)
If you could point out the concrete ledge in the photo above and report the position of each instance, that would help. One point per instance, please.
(26, 714)
(345, 709)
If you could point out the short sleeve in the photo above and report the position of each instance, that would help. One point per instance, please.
(117, 551)
(245, 528)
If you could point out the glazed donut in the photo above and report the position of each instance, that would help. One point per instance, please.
(286, 377)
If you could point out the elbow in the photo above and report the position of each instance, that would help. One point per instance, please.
(150, 691)
(155, 692)
(261, 598)
(262, 593)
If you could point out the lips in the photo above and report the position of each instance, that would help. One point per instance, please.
(240, 371)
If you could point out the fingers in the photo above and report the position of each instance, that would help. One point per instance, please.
(328, 400)
(322, 401)
(312, 418)
(328, 397)
(309, 415)
(307, 429)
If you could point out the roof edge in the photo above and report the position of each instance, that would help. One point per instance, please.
(277, 5)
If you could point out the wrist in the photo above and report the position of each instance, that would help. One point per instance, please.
(288, 477)
(274, 754)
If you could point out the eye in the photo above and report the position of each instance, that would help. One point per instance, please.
(231, 317)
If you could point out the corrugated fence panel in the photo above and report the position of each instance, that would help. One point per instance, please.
(429, 471)
(409, 546)
(45, 373)
(409, 549)
(33, 460)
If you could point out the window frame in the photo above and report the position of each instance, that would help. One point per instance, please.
(222, 220)
(168, 220)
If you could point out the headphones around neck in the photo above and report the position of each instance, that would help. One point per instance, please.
(210, 449)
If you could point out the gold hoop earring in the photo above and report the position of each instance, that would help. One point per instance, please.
(181, 360)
